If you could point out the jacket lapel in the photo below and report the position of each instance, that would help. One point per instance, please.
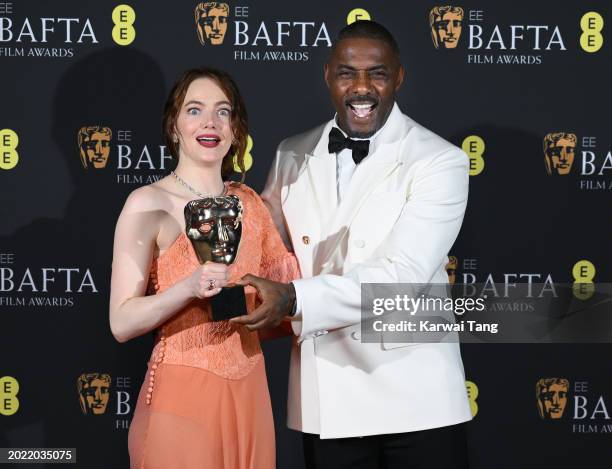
(370, 174)
(319, 175)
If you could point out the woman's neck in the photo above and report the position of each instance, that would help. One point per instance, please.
(204, 179)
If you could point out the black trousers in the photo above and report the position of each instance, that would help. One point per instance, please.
(438, 448)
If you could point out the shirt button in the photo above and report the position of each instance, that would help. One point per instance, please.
(305, 239)
(359, 243)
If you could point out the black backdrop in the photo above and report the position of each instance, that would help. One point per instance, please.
(522, 224)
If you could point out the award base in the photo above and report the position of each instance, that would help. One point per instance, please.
(229, 303)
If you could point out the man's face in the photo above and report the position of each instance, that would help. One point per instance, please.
(554, 399)
(96, 396)
(447, 29)
(363, 76)
(95, 149)
(218, 225)
(214, 25)
(560, 156)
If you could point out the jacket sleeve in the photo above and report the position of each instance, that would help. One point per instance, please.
(412, 252)
(271, 196)
(277, 263)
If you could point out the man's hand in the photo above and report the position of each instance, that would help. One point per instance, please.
(278, 299)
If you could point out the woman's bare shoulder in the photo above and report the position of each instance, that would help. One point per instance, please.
(150, 197)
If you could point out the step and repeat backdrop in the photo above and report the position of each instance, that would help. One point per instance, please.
(523, 87)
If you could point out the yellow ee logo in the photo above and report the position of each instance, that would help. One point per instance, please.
(248, 158)
(474, 146)
(9, 387)
(591, 38)
(583, 273)
(8, 149)
(358, 14)
(472, 392)
(123, 31)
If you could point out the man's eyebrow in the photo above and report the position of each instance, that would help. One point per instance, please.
(369, 69)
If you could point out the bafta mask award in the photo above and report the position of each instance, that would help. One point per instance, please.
(214, 226)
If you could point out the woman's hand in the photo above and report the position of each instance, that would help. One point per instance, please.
(208, 279)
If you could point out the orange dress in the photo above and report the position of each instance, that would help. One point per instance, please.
(205, 401)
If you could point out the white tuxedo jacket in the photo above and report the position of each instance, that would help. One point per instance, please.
(396, 222)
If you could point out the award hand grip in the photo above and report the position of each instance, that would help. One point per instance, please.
(214, 227)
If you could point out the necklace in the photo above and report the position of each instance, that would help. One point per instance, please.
(192, 190)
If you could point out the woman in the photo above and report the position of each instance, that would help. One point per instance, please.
(205, 400)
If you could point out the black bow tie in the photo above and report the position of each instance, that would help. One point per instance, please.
(338, 142)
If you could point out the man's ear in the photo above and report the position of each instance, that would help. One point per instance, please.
(326, 73)
(400, 78)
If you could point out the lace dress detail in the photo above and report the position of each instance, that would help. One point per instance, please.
(190, 337)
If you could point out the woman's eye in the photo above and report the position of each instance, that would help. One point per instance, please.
(193, 111)
(224, 112)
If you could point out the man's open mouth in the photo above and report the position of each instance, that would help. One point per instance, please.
(362, 110)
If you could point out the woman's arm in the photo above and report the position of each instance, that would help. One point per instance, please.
(131, 313)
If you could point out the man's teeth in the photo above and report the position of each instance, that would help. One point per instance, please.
(362, 110)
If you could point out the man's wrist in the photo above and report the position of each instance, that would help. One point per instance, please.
(293, 308)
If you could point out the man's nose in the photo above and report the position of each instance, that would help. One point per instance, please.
(362, 83)
(555, 399)
(450, 30)
(223, 237)
(216, 25)
(98, 148)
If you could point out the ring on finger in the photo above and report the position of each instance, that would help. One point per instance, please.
(211, 284)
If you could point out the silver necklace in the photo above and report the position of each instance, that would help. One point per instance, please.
(192, 190)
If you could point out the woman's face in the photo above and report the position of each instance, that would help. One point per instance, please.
(203, 124)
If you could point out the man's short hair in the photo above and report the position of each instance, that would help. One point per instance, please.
(369, 30)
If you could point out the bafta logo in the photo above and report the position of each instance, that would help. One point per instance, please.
(451, 269)
(211, 22)
(94, 146)
(93, 392)
(445, 23)
(551, 395)
(559, 150)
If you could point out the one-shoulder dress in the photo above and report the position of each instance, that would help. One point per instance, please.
(205, 401)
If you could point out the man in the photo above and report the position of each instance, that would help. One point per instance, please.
(388, 217)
